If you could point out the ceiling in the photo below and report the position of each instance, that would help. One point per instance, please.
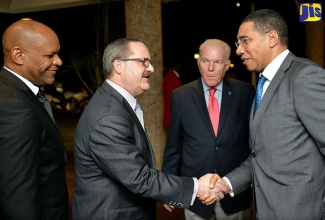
(22, 6)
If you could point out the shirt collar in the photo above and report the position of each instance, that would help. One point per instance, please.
(28, 83)
(271, 69)
(206, 88)
(129, 98)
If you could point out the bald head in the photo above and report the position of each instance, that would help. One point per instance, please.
(31, 50)
(24, 33)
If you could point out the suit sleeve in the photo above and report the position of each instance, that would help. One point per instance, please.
(19, 162)
(173, 150)
(309, 102)
(117, 150)
(240, 178)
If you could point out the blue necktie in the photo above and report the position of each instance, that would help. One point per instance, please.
(259, 91)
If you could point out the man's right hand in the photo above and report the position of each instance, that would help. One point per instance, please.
(217, 179)
(211, 189)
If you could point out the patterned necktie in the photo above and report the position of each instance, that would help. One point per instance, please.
(259, 91)
(42, 98)
(214, 110)
(139, 113)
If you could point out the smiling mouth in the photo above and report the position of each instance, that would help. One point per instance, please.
(245, 60)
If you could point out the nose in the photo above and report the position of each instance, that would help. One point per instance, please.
(57, 60)
(240, 50)
(211, 66)
(150, 68)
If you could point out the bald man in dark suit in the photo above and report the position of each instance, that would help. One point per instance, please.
(32, 155)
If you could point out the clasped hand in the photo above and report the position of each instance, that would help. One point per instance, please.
(211, 188)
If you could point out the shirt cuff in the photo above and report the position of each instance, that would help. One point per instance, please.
(195, 190)
(231, 192)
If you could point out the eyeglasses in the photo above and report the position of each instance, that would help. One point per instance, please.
(145, 61)
(245, 40)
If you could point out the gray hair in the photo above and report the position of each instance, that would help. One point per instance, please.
(266, 20)
(216, 43)
(118, 49)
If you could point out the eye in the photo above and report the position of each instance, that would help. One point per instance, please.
(203, 60)
(50, 55)
(245, 40)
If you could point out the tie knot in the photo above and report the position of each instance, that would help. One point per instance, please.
(212, 91)
(41, 97)
(261, 80)
(138, 106)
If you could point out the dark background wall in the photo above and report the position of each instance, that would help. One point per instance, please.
(186, 24)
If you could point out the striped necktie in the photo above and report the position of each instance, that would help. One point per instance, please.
(42, 98)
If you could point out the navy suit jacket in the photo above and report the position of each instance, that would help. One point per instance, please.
(32, 156)
(192, 148)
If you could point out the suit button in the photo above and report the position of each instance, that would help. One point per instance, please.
(217, 147)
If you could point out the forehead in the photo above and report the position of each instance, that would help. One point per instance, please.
(138, 49)
(212, 52)
(246, 29)
(45, 40)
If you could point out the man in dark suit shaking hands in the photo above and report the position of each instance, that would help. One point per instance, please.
(115, 164)
(32, 156)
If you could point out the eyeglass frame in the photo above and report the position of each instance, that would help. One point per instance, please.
(143, 60)
(244, 40)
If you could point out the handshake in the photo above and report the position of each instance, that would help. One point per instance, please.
(211, 188)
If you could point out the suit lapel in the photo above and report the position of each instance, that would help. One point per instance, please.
(112, 92)
(200, 103)
(271, 90)
(153, 158)
(227, 98)
(20, 85)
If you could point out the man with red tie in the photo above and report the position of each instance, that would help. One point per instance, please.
(208, 131)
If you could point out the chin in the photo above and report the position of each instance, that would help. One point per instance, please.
(49, 82)
(146, 88)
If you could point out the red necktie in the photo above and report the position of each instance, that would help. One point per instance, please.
(214, 110)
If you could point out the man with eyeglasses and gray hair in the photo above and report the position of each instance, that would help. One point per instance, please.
(114, 161)
(208, 130)
(287, 124)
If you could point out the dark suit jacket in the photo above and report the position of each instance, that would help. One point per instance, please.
(288, 142)
(32, 156)
(192, 149)
(170, 82)
(115, 165)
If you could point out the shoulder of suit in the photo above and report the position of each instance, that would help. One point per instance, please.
(237, 83)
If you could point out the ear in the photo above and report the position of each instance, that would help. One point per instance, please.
(118, 66)
(273, 38)
(17, 55)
